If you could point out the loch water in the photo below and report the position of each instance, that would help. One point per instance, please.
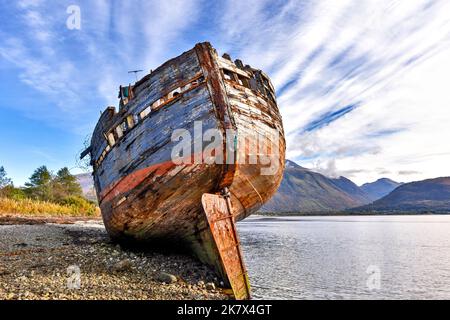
(348, 257)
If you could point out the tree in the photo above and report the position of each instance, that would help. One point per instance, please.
(43, 185)
(39, 186)
(65, 185)
(41, 176)
(4, 180)
(5, 183)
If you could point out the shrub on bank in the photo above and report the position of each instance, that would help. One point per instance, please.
(73, 207)
(12, 193)
(80, 204)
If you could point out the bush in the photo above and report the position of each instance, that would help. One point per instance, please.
(12, 193)
(80, 204)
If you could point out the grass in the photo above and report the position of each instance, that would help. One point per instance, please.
(31, 207)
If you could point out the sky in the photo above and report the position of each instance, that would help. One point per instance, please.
(363, 85)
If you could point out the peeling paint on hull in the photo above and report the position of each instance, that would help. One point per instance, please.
(144, 196)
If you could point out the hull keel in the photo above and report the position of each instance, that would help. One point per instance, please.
(222, 231)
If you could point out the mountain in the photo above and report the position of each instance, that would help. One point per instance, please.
(352, 189)
(380, 188)
(303, 190)
(87, 185)
(431, 195)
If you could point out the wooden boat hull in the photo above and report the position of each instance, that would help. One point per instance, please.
(146, 196)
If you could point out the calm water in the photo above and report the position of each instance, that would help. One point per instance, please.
(396, 257)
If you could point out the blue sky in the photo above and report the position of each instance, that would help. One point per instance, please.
(362, 84)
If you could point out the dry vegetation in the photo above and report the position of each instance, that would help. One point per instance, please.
(46, 194)
(44, 208)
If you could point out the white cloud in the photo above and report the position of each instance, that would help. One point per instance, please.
(29, 3)
(391, 59)
(73, 69)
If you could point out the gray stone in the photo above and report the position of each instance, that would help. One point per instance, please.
(122, 265)
(166, 278)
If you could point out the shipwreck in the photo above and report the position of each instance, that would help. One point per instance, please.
(195, 146)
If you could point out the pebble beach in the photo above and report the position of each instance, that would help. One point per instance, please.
(75, 260)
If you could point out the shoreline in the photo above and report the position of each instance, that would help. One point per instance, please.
(18, 219)
(43, 257)
(347, 214)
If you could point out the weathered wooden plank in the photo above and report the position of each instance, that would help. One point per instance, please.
(222, 226)
(143, 194)
(229, 65)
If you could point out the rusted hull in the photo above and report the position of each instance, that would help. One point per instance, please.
(145, 196)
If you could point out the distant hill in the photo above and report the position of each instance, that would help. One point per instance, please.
(380, 188)
(431, 195)
(352, 189)
(303, 190)
(87, 185)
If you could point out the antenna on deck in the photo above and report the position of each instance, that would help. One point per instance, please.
(135, 72)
